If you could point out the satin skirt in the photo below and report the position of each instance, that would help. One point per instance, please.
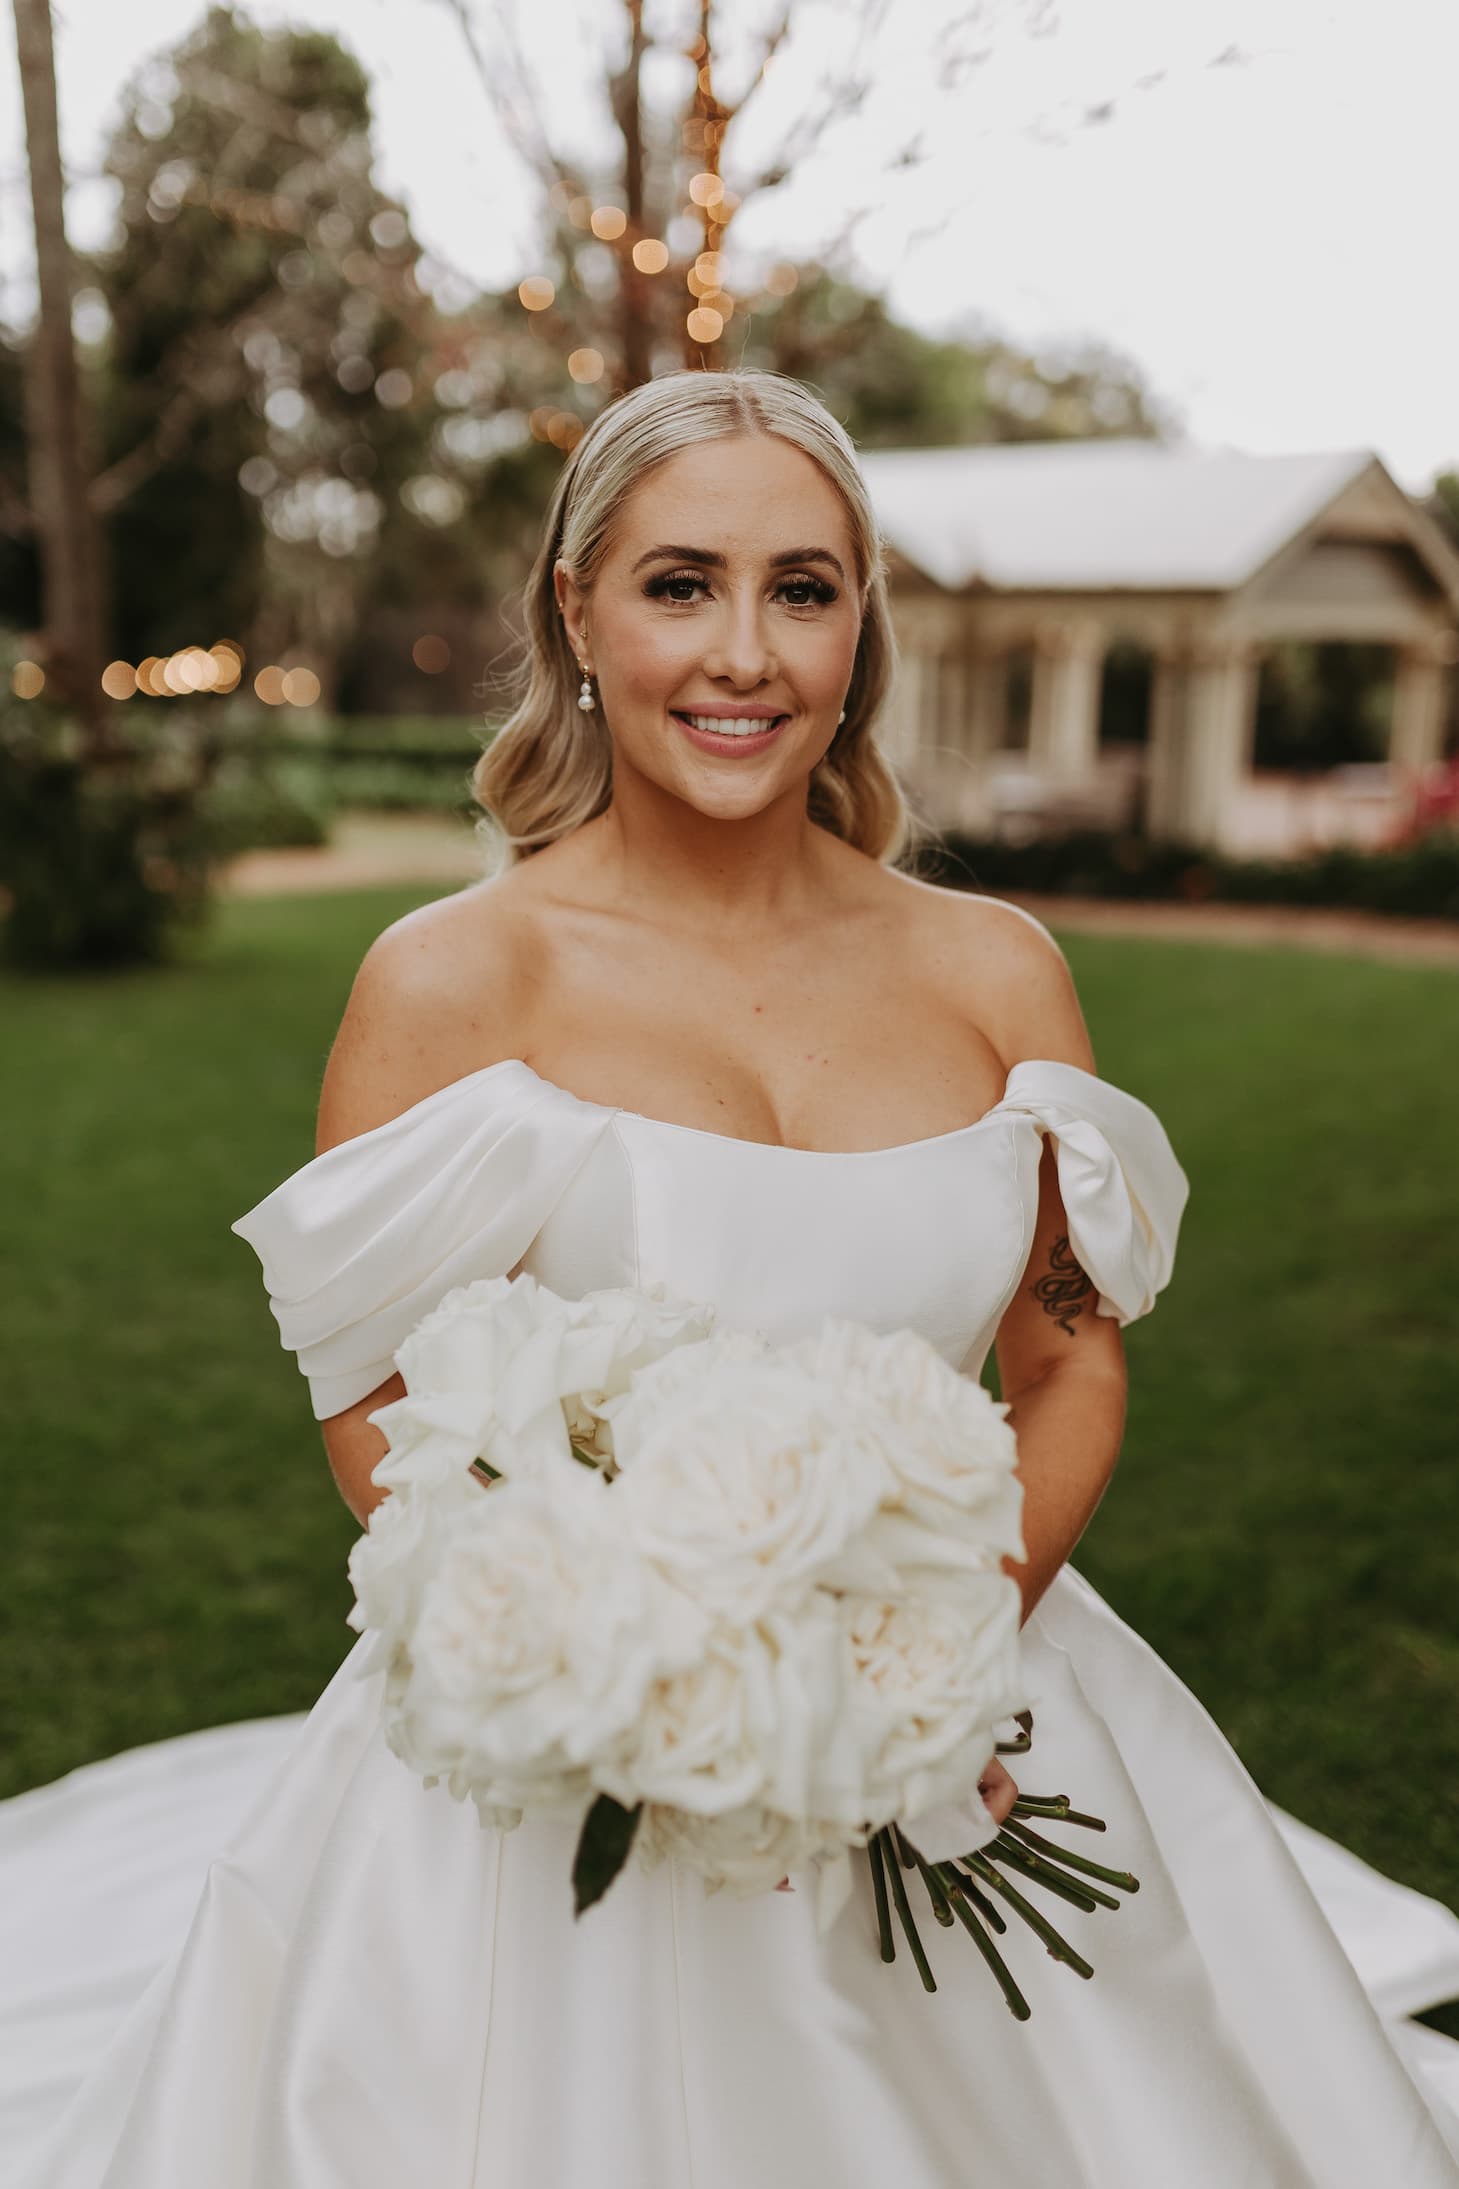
(364, 1988)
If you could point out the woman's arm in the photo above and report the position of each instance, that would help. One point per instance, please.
(1061, 1366)
(419, 1015)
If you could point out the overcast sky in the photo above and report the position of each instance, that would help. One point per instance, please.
(1250, 199)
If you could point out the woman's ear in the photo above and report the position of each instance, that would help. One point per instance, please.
(572, 607)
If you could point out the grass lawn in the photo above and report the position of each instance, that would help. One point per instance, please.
(1282, 1527)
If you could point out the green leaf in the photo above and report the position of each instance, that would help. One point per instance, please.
(602, 1849)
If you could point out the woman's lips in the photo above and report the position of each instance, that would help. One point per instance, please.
(711, 741)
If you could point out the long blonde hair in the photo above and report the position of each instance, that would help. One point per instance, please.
(549, 766)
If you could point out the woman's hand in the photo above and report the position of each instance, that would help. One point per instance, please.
(998, 1790)
(999, 1793)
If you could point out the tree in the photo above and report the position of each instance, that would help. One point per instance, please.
(635, 251)
(58, 429)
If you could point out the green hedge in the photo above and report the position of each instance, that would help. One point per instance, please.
(1418, 882)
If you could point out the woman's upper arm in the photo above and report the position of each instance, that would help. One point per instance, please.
(1051, 1321)
(407, 1030)
(430, 1002)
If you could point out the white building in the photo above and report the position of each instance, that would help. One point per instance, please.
(1051, 551)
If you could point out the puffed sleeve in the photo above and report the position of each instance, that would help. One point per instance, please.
(1123, 1190)
(364, 1240)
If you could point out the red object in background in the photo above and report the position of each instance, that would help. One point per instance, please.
(1433, 804)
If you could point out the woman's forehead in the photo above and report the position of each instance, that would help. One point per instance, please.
(735, 494)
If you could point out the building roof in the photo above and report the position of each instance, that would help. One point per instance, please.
(1098, 516)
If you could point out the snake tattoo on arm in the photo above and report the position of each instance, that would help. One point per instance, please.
(1065, 1292)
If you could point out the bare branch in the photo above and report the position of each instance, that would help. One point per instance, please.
(512, 95)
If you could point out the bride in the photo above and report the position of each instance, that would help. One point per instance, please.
(697, 1028)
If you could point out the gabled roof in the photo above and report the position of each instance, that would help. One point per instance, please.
(1098, 516)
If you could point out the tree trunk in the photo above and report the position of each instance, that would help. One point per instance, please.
(635, 344)
(66, 528)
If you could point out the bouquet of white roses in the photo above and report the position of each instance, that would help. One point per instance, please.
(737, 1603)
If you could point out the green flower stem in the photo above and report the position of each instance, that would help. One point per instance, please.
(904, 1911)
(959, 1891)
(980, 1901)
(1041, 1805)
(1054, 1941)
(1066, 1855)
(937, 1891)
(1040, 1872)
(879, 1887)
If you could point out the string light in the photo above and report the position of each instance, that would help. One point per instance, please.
(119, 680)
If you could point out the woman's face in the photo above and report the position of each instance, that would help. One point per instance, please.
(727, 603)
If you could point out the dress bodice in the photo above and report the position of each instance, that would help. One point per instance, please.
(503, 1170)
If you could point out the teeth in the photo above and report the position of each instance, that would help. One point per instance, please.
(723, 725)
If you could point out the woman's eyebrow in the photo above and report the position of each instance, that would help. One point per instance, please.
(713, 561)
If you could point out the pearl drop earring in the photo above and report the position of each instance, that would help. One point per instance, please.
(841, 717)
(585, 697)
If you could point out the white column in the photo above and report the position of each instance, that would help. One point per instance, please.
(1416, 728)
(987, 686)
(1202, 717)
(1063, 739)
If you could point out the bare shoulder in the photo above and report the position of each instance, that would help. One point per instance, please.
(435, 997)
(1011, 973)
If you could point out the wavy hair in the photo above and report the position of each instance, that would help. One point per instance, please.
(548, 768)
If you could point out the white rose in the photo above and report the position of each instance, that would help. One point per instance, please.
(934, 1673)
(748, 1481)
(676, 1372)
(946, 1439)
(695, 1741)
(750, 1849)
(539, 1635)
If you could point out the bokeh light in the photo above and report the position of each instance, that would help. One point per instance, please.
(585, 366)
(565, 430)
(781, 279)
(536, 292)
(300, 687)
(650, 256)
(704, 325)
(608, 222)
(706, 189)
(27, 680)
(119, 680)
(431, 654)
(228, 655)
(393, 389)
(269, 685)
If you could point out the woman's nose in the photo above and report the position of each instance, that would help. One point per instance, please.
(741, 649)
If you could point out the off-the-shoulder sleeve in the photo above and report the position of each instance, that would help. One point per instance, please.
(1123, 1190)
(364, 1240)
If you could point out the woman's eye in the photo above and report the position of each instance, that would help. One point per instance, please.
(817, 588)
(674, 585)
(679, 587)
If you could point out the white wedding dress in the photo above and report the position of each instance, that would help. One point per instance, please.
(347, 1982)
